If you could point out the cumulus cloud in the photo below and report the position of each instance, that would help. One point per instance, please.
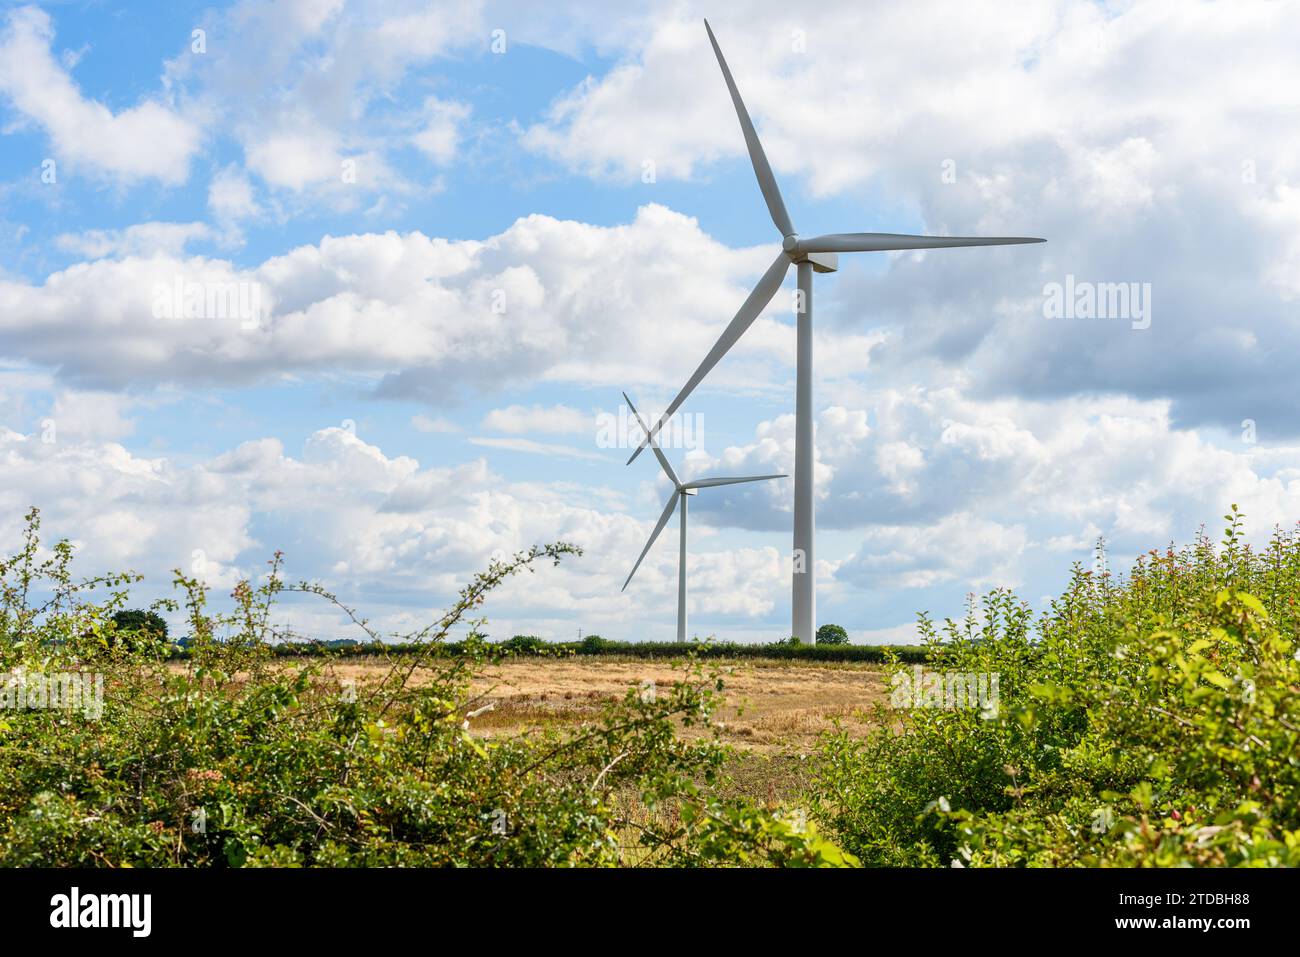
(405, 536)
(1074, 121)
(311, 92)
(437, 318)
(147, 141)
(964, 438)
(89, 415)
(982, 553)
(945, 488)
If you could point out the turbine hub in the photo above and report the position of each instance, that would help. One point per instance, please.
(790, 242)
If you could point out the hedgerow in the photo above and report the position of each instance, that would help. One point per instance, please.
(528, 645)
(232, 756)
(1150, 721)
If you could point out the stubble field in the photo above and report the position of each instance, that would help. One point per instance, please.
(774, 712)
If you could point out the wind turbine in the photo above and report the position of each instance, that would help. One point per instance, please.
(681, 492)
(818, 254)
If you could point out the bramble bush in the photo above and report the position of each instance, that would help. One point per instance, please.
(1153, 721)
(233, 756)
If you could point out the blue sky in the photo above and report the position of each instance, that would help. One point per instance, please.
(391, 430)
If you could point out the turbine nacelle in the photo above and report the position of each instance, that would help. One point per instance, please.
(791, 245)
(821, 262)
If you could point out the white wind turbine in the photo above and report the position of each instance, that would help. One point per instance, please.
(817, 254)
(681, 491)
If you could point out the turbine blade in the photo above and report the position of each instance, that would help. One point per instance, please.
(714, 482)
(749, 311)
(879, 242)
(663, 461)
(659, 527)
(766, 181)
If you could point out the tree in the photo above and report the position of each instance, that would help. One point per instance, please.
(832, 635)
(525, 644)
(137, 621)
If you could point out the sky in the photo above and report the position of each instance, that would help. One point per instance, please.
(454, 232)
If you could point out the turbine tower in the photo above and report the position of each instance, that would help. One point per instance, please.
(681, 492)
(818, 254)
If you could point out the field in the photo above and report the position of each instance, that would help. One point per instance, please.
(775, 710)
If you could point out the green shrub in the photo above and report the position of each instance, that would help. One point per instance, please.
(1150, 721)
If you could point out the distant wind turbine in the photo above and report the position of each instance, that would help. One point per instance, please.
(681, 491)
(817, 254)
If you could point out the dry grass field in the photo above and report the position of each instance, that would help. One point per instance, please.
(771, 705)
(774, 710)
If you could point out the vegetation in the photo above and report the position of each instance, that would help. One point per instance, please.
(231, 757)
(592, 645)
(524, 644)
(137, 622)
(832, 635)
(787, 650)
(1153, 721)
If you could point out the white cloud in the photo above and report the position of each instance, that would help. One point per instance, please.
(440, 135)
(946, 489)
(297, 158)
(1071, 120)
(360, 520)
(823, 84)
(147, 141)
(532, 447)
(89, 415)
(962, 439)
(556, 420)
(231, 199)
(962, 547)
(305, 87)
(437, 317)
(142, 239)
